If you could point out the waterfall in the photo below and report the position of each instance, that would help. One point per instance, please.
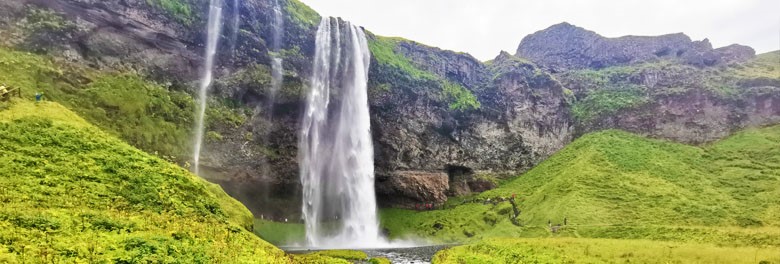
(335, 148)
(213, 27)
(277, 70)
(277, 78)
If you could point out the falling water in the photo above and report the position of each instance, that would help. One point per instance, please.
(277, 77)
(336, 152)
(213, 27)
(277, 70)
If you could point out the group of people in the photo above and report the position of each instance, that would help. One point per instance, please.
(5, 90)
(424, 206)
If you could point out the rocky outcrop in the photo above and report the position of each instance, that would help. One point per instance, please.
(696, 116)
(409, 189)
(564, 47)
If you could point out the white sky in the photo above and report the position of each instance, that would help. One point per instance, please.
(485, 27)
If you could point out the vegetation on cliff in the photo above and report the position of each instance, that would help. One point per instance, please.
(607, 91)
(148, 115)
(399, 72)
(181, 10)
(302, 14)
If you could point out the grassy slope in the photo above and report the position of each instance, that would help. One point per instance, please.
(614, 184)
(80, 194)
(582, 250)
(145, 114)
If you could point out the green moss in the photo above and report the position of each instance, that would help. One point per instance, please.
(213, 136)
(608, 101)
(181, 10)
(383, 50)
(398, 70)
(460, 98)
(81, 195)
(301, 14)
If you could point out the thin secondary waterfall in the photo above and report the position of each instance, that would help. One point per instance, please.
(336, 152)
(214, 26)
(277, 70)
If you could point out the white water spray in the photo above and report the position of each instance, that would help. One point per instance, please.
(336, 151)
(214, 25)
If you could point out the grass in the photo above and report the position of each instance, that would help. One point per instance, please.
(383, 50)
(399, 71)
(302, 14)
(343, 254)
(613, 184)
(147, 115)
(81, 195)
(766, 65)
(279, 233)
(581, 250)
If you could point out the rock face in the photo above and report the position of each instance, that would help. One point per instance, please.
(564, 47)
(409, 189)
(523, 112)
(426, 147)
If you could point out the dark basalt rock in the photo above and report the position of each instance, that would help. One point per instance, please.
(564, 47)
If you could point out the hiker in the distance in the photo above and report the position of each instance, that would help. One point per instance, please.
(38, 96)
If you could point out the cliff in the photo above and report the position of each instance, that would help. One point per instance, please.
(443, 122)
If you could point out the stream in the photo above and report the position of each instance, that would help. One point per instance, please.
(404, 255)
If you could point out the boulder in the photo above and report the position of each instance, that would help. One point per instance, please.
(405, 189)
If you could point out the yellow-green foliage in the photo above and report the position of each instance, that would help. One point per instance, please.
(72, 193)
(613, 184)
(343, 254)
(302, 14)
(379, 260)
(580, 250)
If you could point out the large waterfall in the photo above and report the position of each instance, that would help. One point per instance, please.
(336, 152)
(214, 26)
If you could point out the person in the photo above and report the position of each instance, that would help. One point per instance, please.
(38, 96)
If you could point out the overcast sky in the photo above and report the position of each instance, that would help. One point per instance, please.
(485, 27)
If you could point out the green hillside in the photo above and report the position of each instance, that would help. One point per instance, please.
(613, 184)
(72, 193)
(587, 250)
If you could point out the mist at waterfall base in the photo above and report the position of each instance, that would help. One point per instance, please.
(335, 149)
(213, 30)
